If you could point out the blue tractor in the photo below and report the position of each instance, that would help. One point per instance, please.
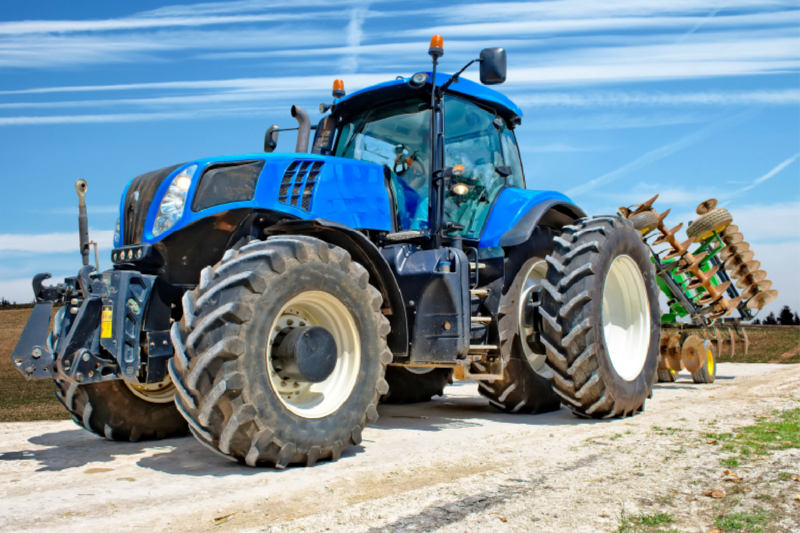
(267, 302)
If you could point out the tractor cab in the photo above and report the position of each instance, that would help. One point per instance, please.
(390, 125)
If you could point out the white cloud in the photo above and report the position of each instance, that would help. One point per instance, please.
(50, 243)
(355, 34)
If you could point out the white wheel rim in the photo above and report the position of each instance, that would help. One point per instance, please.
(626, 318)
(420, 370)
(316, 400)
(533, 281)
(163, 392)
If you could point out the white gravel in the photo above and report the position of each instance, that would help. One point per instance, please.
(454, 464)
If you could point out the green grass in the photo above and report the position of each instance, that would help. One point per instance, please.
(766, 436)
(645, 523)
(750, 522)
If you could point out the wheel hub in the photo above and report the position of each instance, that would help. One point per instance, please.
(306, 354)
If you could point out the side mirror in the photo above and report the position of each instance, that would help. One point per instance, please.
(271, 139)
(493, 66)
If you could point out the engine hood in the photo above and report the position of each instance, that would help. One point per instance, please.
(304, 186)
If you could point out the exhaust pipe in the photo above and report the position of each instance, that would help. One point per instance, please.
(83, 220)
(303, 129)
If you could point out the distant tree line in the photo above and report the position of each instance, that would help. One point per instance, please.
(786, 317)
(5, 304)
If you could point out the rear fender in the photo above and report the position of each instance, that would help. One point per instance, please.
(517, 212)
(363, 251)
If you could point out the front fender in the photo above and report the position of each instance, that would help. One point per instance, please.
(517, 212)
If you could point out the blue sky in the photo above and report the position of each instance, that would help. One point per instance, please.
(622, 99)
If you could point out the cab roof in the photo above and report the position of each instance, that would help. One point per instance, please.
(400, 88)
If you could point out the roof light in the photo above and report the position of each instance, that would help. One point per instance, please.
(437, 47)
(338, 89)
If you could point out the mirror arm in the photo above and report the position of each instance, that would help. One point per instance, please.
(455, 76)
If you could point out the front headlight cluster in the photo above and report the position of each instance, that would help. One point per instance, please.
(171, 208)
(129, 254)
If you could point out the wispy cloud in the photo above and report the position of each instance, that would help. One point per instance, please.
(556, 148)
(640, 98)
(355, 34)
(660, 153)
(52, 242)
(782, 165)
(135, 117)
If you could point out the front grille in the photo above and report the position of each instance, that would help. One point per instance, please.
(137, 202)
(298, 183)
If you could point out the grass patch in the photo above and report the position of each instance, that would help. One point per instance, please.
(750, 522)
(645, 523)
(780, 431)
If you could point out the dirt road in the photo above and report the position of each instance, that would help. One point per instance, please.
(454, 464)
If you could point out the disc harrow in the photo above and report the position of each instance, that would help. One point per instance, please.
(705, 278)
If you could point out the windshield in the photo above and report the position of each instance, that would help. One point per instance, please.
(396, 136)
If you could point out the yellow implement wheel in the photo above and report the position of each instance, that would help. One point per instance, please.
(708, 372)
(692, 354)
(715, 220)
(667, 376)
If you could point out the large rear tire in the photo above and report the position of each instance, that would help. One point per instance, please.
(238, 401)
(417, 385)
(601, 318)
(527, 383)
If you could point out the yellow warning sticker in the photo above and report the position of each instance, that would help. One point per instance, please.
(106, 321)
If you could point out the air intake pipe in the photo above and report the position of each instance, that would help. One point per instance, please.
(303, 129)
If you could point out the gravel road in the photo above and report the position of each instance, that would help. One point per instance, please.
(454, 464)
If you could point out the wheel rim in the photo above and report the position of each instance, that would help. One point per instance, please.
(626, 318)
(532, 281)
(316, 400)
(710, 358)
(163, 392)
(420, 370)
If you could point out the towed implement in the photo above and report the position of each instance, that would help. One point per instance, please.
(699, 285)
(267, 302)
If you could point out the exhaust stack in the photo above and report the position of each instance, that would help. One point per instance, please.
(303, 129)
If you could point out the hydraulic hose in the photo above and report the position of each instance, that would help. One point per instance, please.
(83, 221)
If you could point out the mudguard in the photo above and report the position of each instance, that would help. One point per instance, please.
(517, 212)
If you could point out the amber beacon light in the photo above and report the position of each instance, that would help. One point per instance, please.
(436, 49)
(338, 89)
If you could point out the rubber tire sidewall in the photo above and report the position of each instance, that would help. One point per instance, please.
(625, 240)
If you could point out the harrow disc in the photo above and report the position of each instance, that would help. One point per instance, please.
(714, 294)
(732, 238)
(745, 268)
(750, 278)
(734, 249)
(733, 228)
(674, 353)
(733, 261)
(706, 206)
(756, 288)
(761, 299)
(693, 353)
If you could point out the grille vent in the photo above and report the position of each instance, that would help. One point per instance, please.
(299, 180)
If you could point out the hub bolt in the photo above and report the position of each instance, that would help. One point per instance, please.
(129, 370)
(37, 353)
(86, 356)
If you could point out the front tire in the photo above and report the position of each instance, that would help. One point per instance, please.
(235, 399)
(601, 318)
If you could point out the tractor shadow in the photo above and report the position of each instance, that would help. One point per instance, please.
(462, 408)
(76, 448)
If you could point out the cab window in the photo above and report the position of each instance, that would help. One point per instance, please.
(482, 143)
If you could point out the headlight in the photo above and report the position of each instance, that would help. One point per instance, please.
(171, 208)
(116, 234)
